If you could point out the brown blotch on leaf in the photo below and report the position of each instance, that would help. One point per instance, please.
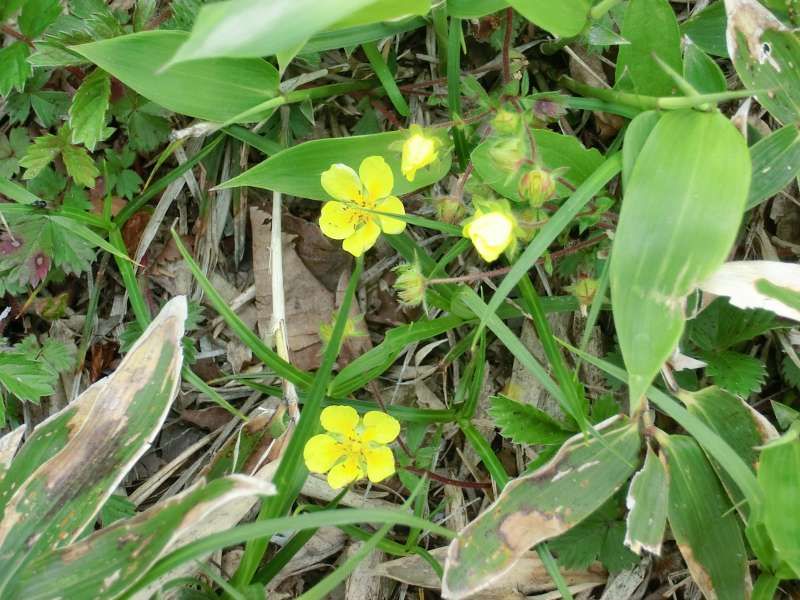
(523, 529)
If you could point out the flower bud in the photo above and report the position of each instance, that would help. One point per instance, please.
(507, 153)
(449, 210)
(419, 150)
(491, 234)
(548, 111)
(584, 290)
(537, 186)
(505, 121)
(410, 284)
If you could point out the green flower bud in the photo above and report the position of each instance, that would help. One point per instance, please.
(449, 210)
(507, 153)
(537, 186)
(505, 121)
(584, 290)
(410, 284)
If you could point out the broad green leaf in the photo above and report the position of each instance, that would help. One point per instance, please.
(706, 29)
(639, 129)
(679, 218)
(704, 525)
(353, 36)
(742, 428)
(473, 9)
(296, 171)
(647, 503)
(766, 284)
(526, 424)
(118, 427)
(779, 475)
(242, 28)
(87, 114)
(766, 55)
(776, 162)
(14, 68)
(215, 90)
(554, 150)
(651, 28)
(540, 506)
(565, 18)
(700, 70)
(109, 561)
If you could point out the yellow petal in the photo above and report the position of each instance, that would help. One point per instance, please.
(376, 175)
(339, 419)
(491, 234)
(392, 205)
(345, 472)
(321, 453)
(419, 150)
(363, 239)
(380, 463)
(342, 183)
(380, 427)
(337, 221)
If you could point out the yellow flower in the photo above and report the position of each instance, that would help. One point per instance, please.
(491, 233)
(353, 446)
(343, 219)
(419, 150)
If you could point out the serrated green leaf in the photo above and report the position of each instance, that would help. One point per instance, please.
(38, 15)
(599, 537)
(790, 371)
(526, 424)
(25, 377)
(667, 240)
(79, 165)
(721, 325)
(651, 28)
(41, 153)
(12, 149)
(87, 114)
(738, 373)
(540, 506)
(703, 522)
(14, 68)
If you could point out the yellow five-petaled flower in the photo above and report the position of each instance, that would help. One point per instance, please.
(371, 188)
(491, 233)
(353, 446)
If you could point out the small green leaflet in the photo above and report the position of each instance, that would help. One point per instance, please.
(738, 373)
(46, 148)
(87, 115)
(38, 15)
(526, 424)
(14, 68)
(12, 148)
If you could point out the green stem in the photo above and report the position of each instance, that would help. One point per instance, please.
(765, 587)
(601, 8)
(291, 472)
(484, 450)
(551, 567)
(381, 69)
(652, 102)
(454, 88)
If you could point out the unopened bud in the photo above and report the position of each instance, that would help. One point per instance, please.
(410, 284)
(537, 186)
(505, 121)
(449, 210)
(548, 111)
(507, 153)
(584, 290)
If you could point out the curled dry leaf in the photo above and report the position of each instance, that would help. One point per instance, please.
(527, 576)
(758, 284)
